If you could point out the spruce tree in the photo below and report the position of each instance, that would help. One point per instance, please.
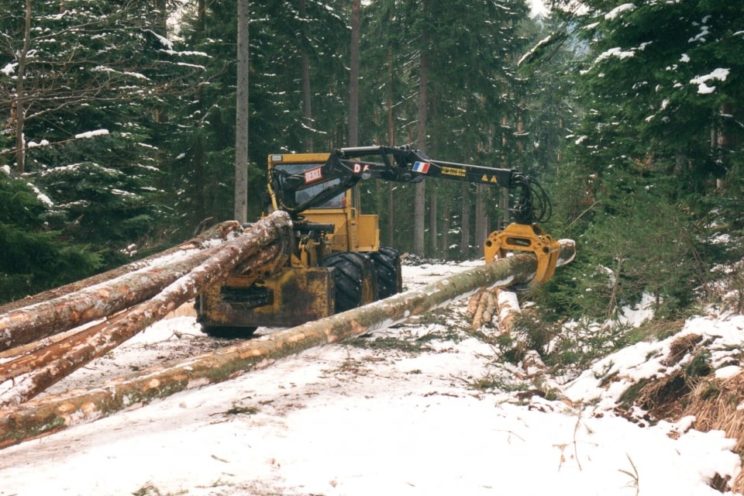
(657, 146)
(34, 257)
(96, 81)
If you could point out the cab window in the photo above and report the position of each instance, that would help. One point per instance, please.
(305, 194)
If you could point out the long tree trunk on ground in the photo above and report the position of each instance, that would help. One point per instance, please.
(419, 204)
(27, 376)
(509, 309)
(51, 414)
(48, 364)
(97, 297)
(218, 232)
(241, 117)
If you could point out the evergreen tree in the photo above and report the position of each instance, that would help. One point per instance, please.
(661, 85)
(281, 38)
(34, 257)
(96, 80)
(470, 50)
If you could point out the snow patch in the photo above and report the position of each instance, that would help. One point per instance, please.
(9, 69)
(348, 419)
(34, 144)
(719, 74)
(92, 134)
(626, 7)
(638, 314)
(616, 52)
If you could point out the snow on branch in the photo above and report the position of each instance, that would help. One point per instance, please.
(92, 134)
(614, 13)
(544, 42)
(703, 89)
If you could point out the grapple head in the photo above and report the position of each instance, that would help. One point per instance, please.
(525, 238)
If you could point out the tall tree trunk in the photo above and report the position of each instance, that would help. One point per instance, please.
(465, 221)
(356, 25)
(353, 138)
(612, 303)
(503, 207)
(481, 218)
(433, 221)
(307, 106)
(20, 100)
(723, 142)
(446, 225)
(201, 15)
(390, 207)
(162, 6)
(419, 206)
(241, 117)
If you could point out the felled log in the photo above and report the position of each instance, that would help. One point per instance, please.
(25, 349)
(44, 366)
(27, 376)
(484, 304)
(99, 296)
(508, 306)
(218, 232)
(46, 415)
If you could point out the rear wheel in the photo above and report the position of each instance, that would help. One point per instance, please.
(354, 279)
(387, 265)
(228, 332)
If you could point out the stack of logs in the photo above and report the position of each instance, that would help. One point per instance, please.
(46, 337)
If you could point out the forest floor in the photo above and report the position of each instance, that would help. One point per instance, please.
(424, 408)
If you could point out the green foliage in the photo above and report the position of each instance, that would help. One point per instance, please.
(631, 116)
(654, 160)
(34, 258)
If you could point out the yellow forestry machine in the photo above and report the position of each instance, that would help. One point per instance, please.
(337, 262)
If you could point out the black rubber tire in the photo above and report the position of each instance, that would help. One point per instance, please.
(228, 332)
(349, 272)
(389, 276)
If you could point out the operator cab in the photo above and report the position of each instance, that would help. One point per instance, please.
(312, 190)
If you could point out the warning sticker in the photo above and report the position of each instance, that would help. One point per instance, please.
(313, 175)
(453, 171)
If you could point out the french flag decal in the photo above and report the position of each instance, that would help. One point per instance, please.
(421, 167)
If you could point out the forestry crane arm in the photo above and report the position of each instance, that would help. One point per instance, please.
(345, 167)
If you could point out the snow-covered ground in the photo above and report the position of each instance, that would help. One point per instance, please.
(425, 408)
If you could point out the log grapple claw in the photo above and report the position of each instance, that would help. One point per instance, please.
(525, 238)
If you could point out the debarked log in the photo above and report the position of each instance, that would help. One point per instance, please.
(216, 233)
(25, 377)
(100, 296)
(46, 415)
